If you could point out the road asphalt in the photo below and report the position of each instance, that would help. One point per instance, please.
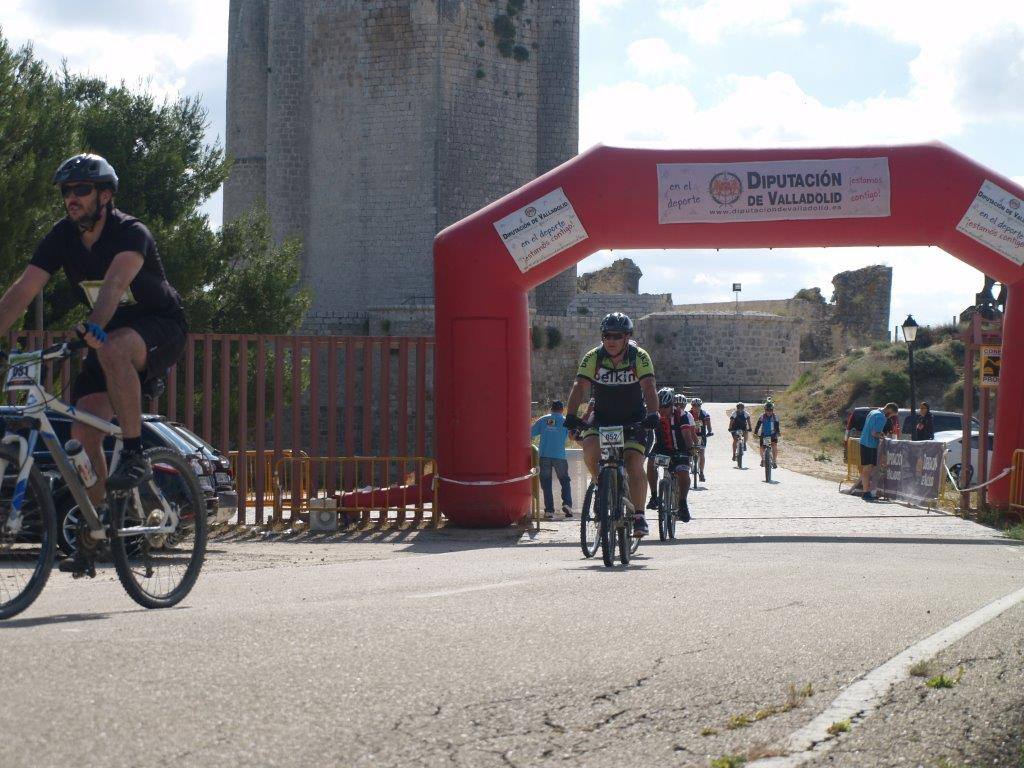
(456, 647)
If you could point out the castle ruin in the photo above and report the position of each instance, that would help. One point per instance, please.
(368, 126)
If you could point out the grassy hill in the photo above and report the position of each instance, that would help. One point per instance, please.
(814, 406)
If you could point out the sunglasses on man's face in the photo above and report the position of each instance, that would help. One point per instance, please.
(613, 336)
(78, 190)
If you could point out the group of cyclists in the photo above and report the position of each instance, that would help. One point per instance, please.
(617, 377)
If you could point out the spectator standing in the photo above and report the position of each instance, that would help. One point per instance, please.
(922, 427)
(553, 433)
(875, 428)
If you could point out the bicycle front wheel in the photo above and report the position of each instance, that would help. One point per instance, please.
(695, 466)
(590, 526)
(158, 569)
(607, 491)
(26, 554)
(664, 508)
(767, 465)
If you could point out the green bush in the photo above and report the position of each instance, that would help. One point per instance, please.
(899, 352)
(801, 419)
(536, 337)
(855, 354)
(953, 399)
(801, 381)
(890, 386)
(956, 349)
(554, 336)
(878, 346)
(935, 367)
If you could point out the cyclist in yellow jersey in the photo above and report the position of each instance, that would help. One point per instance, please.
(621, 376)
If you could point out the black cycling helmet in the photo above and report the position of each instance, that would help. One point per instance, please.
(616, 322)
(89, 168)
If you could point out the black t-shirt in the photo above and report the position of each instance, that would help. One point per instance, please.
(148, 294)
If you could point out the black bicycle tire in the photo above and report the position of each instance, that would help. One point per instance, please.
(35, 585)
(695, 466)
(625, 544)
(739, 457)
(585, 517)
(119, 548)
(768, 464)
(607, 482)
(664, 513)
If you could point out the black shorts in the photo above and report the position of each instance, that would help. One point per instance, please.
(868, 456)
(164, 336)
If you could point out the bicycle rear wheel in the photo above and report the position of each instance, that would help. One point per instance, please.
(159, 569)
(26, 556)
(590, 525)
(739, 456)
(664, 508)
(607, 490)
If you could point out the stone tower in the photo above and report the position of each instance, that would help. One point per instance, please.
(370, 125)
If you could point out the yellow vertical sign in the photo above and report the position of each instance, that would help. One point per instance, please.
(991, 359)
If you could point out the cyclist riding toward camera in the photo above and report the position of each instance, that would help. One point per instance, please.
(702, 422)
(621, 376)
(672, 438)
(768, 427)
(136, 325)
(739, 422)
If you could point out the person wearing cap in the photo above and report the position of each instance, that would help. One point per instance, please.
(134, 327)
(550, 428)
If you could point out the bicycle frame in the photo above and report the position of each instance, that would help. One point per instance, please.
(24, 374)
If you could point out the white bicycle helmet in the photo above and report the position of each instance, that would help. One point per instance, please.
(666, 396)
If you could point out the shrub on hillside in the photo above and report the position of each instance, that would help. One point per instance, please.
(890, 386)
(956, 349)
(934, 367)
(953, 400)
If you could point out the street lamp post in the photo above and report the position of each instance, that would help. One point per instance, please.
(910, 336)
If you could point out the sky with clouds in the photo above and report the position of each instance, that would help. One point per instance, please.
(686, 73)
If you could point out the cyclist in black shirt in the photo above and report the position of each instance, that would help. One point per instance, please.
(136, 325)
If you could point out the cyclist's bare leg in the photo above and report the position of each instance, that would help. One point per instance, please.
(122, 356)
(637, 482)
(98, 404)
(591, 455)
(701, 455)
(652, 476)
(683, 481)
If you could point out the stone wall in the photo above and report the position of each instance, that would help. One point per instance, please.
(722, 356)
(621, 276)
(370, 125)
(597, 305)
(862, 299)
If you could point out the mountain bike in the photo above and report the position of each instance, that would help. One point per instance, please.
(695, 454)
(741, 446)
(590, 528)
(668, 497)
(766, 456)
(155, 533)
(614, 508)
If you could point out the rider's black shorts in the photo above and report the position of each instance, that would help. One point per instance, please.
(164, 336)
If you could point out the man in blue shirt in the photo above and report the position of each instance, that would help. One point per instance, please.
(870, 436)
(552, 432)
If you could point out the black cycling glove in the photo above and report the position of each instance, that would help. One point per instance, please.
(651, 421)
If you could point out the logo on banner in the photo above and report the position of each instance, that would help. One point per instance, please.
(725, 188)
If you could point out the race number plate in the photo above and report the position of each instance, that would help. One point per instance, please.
(612, 437)
(766, 440)
(661, 460)
(23, 370)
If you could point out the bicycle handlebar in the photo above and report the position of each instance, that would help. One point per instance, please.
(55, 352)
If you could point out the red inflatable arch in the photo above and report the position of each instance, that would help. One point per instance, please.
(636, 198)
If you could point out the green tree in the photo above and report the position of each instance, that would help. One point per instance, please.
(253, 284)
(37, 131)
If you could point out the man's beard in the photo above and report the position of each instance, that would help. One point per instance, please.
(88, 219)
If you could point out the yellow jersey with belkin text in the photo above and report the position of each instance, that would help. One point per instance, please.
(618, 398)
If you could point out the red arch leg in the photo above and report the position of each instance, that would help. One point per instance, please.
(1010, 408)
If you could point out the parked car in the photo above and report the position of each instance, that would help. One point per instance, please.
(223, 475)
(943, 421)
(954, 452)
(156, 431)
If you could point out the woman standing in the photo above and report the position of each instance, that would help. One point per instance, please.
(923, 427)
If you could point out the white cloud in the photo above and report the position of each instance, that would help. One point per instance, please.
(708, 22)
(970, 54)
(653, 56)
(594, 11)
(755, 111)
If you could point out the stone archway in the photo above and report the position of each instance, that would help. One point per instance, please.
(636, 198)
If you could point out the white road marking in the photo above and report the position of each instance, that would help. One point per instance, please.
(859, 699)
(481, 587)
